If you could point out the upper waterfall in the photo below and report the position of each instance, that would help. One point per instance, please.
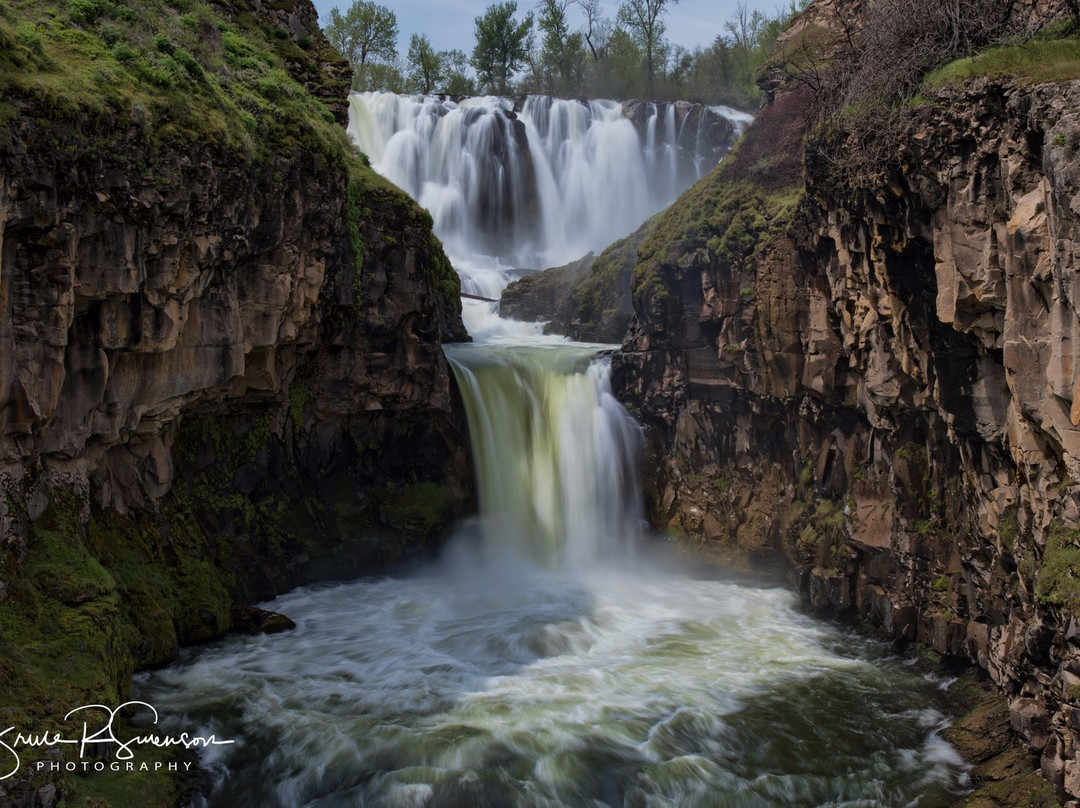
(540, 182)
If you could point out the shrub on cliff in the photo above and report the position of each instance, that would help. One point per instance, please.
(902, 40)
(1058, 582)
(870, 64)
(770, 153)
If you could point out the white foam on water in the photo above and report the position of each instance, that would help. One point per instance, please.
(496, 678)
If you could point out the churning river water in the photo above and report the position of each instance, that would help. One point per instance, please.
(484, 682)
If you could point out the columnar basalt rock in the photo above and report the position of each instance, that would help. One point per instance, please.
(141, 283)
(221, 375)
(885, 392)
(130, 300)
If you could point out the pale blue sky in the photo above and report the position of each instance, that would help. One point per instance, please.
(449, 23)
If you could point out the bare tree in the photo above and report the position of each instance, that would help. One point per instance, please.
(598, 28)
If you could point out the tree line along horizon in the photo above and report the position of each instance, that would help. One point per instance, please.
(625, 56)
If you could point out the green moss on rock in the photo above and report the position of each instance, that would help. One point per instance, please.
(730, 216)
(1058, 582)
(417, 509)
(1009, 529)
(353, 206)
(68, 639)
(300, 395)
(1052, 55)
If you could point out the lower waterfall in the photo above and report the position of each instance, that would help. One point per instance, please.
(555, 454)
(554, 656)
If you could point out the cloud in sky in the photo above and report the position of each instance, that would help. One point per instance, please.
(449, 23)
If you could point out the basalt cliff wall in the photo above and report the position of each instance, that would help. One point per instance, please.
(880, 384)
(221, 371)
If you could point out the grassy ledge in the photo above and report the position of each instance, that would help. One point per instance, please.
(1051, 56)
(181, 71)
(753, 194)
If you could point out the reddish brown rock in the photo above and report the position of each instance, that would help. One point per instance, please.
(892, 377)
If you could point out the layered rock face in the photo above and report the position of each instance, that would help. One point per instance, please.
(221, 375)
(213, 285)
(885, 392)
(587, 300)
(144, 286)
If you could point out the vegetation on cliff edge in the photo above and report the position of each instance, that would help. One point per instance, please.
(1053, 54)
(862, 100)
(106, 78)
(179, 72)
(753, 192)
(1058, 582)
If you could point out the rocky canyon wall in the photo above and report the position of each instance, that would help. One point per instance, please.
(880, 384)
(221, 371)
(145, 292)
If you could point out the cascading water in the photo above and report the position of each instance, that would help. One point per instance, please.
(555, 453)
(580, 680)
(533, 188)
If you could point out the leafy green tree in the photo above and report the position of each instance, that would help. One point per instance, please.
(385, 76)
(562, 54)
(620, 74)
(502, 45)
(644, 21)
(745, 48)
(425, 65)
(715, 77)
(745, 32)
(365, 34)
(457, 78)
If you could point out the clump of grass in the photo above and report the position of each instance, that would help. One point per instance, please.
(87, 12)
(1058, 583)
(1036, 62)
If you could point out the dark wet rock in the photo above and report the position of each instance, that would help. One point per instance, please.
(587, 300)
(252, 620)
